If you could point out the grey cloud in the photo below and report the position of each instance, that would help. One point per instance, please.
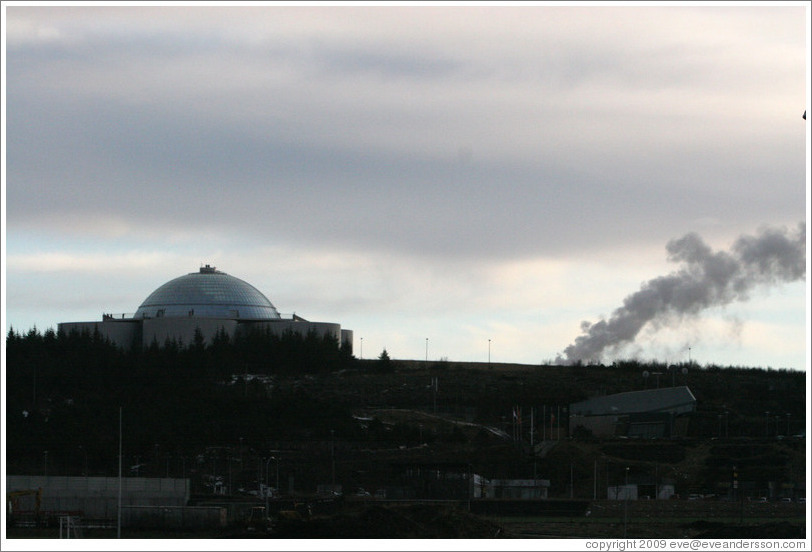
(386, 62)
(326, 139)
(707, 279)
(160, 162)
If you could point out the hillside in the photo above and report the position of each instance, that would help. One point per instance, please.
(208, 413)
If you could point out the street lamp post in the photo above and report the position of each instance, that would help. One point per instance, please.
(84, 450)
(362, 348)
(266, 484)
(595, 482)
(572, 482)
(427, 350)
(267, 494)
(470, 484)
(120, 448)
(333, 456)
(626, 504)
(267, 477)
(489, 351)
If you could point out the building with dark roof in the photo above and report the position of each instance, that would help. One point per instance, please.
(208, 302)
(647, 414)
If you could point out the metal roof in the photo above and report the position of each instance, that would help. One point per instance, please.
(208, 293)
(667, 399)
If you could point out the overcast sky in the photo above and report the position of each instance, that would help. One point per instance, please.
(481, 177)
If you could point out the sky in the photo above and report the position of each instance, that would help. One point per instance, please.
(477, 182)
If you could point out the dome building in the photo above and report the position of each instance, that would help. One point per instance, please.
(208, 293)
(208, 301)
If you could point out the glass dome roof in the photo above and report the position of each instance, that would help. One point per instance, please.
(207, 294)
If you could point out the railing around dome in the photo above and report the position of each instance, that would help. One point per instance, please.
(292, 316)
(117, 316)
(131, 316)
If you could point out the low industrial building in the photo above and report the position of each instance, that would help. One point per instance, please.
(521, 489)
(649, 414)
(433, 480)
(643, 488)
(450, 480)
(93, 497)
(202, 305)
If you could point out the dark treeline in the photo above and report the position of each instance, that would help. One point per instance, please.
(64, 391)
(244, 396)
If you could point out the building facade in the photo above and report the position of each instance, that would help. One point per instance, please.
(202, 304)
(648, 414)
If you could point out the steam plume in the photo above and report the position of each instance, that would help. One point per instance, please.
(706, 279)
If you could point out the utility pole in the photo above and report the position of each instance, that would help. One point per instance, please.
(572, 482)
(120, 441)
(553, 419)
(333, 455)
(595, 481)
(626, 504)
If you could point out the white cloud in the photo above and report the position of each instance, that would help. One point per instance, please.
(22, 31)
(96, 263)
